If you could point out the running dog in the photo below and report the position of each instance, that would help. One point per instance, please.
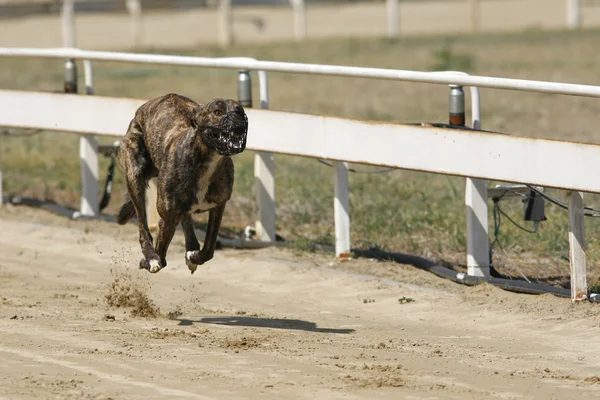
(186, 148)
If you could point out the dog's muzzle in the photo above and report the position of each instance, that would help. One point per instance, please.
(229, 137)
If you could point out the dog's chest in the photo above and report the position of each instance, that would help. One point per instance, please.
(203, 184)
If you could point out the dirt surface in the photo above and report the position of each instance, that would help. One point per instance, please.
(78, 320)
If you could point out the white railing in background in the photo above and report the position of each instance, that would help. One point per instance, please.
(437, 150)
(572, 12)
(226, 19)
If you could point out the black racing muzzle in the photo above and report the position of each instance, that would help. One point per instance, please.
(229, 137)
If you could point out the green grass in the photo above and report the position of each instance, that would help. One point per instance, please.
(401, 211)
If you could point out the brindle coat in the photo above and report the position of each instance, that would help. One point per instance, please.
(166, 141)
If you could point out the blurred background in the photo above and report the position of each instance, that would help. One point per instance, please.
(125, 24)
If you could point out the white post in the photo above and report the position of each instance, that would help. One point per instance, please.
(392, 17)
(88, 157)
(68, 23)
(134, 7)
(264, 176)
(341, 207)
(478, 246)
(88, 74)
(225, 23)
(478, 253)
(573, 14)
(475, 15)
(264, 173)
(577, 247)
(1, 198)
(299, 10)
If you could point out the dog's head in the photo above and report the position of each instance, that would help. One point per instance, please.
(223, 125)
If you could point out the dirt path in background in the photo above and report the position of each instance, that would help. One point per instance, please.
(164, 29)
(268, 323)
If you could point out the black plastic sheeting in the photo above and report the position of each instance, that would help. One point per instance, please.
(460, 277)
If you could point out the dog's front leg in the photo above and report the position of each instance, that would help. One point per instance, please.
(191, 241)
(198, 257)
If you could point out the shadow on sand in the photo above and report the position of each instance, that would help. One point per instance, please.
(276, 323)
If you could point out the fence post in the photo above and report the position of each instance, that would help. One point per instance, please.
(134, 7)
(475, 200)
(392, 17)
(573, 14)
(299, 10)
(341, 207)
(475, 15)
(68, 23)
(264, 163)
(225, 23)
(88, 158)
(1, 193)
(577, 247)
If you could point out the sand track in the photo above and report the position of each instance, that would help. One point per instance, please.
(269, 323)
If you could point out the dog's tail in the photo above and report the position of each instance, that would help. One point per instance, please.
(126, 212)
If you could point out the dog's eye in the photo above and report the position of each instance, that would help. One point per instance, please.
(218, 112)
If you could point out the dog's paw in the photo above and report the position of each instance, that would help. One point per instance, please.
(193, 267)
(153, 265)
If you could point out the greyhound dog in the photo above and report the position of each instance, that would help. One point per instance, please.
(186, 148)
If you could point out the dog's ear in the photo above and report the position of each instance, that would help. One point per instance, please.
(198, 115)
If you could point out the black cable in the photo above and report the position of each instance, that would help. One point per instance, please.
(513, 222)
(497, 223)
(497, 213)
(563, 204)
(108, 185)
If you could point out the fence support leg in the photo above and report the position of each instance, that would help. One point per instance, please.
(475, 15)
(68, 23)
(341, 207)
(88, 156)
(577, 247)
(1, 193)
(134, 7)
(478, 253)
(573, 14)
(475, 195)
(225, 23)
(392, 17)
(264, 163)
(299, 10)
(264, 174)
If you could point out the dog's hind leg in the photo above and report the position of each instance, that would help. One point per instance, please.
(191, 242)
(166, 230)
(136, 163)
(198, 257)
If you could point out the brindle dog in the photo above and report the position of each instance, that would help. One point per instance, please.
(186, 147)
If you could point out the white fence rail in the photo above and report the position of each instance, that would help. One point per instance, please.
(465, 153)
(438, 150)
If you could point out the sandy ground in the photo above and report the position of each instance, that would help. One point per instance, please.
(262, 24)
(268, 323)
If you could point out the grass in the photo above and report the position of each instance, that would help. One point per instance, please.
(401, 211)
